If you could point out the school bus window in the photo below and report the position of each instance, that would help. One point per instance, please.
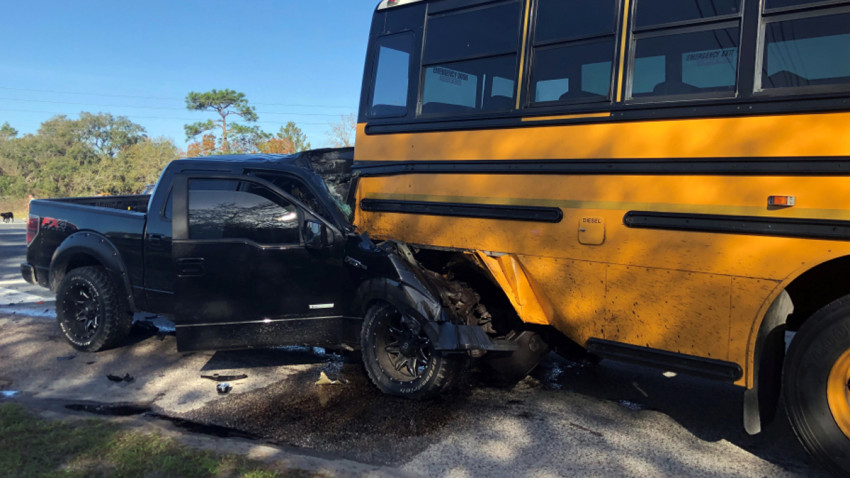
(473, 33)
(659, 12)
(390, 88)
(558, 20)
(470, 60)
(806, 52)
(572, 72)
(469, 86)
(573, 51)
(686, 63)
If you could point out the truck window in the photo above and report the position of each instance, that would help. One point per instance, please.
(297, 189)
(240, 210)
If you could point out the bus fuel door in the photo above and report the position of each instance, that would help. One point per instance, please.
(591, 231)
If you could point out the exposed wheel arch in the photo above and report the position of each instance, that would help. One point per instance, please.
(83, 249)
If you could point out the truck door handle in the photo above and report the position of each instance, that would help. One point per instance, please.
(155, 239)
(190, 266)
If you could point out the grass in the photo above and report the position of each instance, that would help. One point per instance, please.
(34, 447)
(20, 206)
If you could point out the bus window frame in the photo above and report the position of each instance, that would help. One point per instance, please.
(691, 27)
(813, 10)
(465, 6)
(798, 8)
(410, 104)
(527, 103)
(748, 101)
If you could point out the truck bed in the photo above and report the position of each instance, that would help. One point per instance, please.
(136, 203)
(121, 219)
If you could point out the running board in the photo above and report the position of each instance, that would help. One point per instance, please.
(670, 361)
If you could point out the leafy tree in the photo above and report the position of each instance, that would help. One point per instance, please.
(108, 134)
(7, 131)
(91, 155)
(205, 147)
(342, 134)
(294, 136)
(277, 146)
(246, 139)
(225, 103)
(135, 167)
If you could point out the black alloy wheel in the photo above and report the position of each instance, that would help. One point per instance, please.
(400, 358)
(89, 310)
(82, 312)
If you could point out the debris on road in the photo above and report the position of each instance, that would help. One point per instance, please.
(8, 393)
(324, 380)
(115, 378)
(65, 358)
(223, 388)
(225, 378)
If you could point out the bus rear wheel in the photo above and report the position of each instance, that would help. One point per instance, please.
(816, 386)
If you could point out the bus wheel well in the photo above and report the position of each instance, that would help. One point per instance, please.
(463, 268)
(816, 288)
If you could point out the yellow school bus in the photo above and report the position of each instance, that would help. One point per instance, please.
(665, 182)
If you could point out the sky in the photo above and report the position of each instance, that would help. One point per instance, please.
(295, 60)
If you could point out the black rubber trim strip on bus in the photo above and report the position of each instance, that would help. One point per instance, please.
(811, 99)
(756, 225)
(796, 166)
(669, 361)
(483, 211)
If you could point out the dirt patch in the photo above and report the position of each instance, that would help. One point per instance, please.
(353, 420)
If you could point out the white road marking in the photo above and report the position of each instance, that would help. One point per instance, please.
(13, 282)
(14, 297)
(47, 312)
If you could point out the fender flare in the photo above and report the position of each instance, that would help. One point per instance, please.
(101, 249)
(407, 299)
(760, 401)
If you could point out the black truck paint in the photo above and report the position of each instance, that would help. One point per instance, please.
(227, 289)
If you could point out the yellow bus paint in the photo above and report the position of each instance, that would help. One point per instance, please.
(825, 134)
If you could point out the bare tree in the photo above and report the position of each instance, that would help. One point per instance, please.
(342, 133)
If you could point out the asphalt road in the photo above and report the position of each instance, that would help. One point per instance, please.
(566, 420)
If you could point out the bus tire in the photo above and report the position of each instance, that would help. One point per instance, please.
(815, 386)
(400, 359)
(90, 311)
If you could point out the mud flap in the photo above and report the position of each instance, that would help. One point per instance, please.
(760, 402)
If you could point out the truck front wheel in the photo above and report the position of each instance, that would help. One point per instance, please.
(89, 310)
(400, 359)
(816, 386)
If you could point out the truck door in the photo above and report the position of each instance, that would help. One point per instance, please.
(244, 275)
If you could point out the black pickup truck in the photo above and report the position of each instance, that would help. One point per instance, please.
(249, 251)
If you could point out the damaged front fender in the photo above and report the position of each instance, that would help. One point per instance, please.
(389, 273)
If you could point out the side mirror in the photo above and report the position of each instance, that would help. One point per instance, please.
(315, 235)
